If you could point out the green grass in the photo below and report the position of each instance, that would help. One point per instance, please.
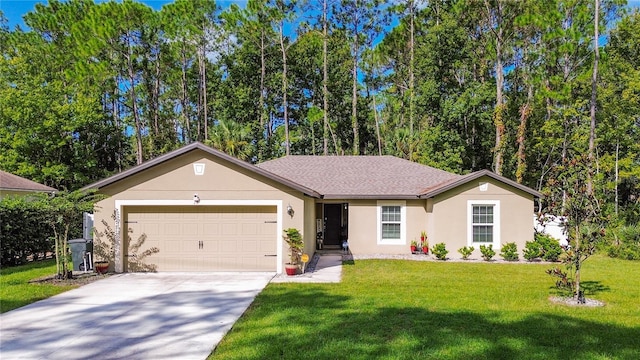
(16, 291)
(442, 310)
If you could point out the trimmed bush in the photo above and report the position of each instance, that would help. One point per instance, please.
(440, 251)
(509, 251)
(466, 252)
(532, 250)
(544, 247)
(487, 252)
(550, 246)
(25, 234)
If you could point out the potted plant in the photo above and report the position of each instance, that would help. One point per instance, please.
(414, 246)
(293, 238)
(101, 266)
(425, 246)
(423, 236)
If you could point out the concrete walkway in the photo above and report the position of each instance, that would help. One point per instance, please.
(327, 270)
(132, 316)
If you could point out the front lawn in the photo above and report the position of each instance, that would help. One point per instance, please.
(395, 309)
(16, 291)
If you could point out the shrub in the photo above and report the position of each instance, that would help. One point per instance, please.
(25, 233)
(509, 251)
(440, 251)
(550, 246)
(466, 252)
(487, 252)
(532, 250)
(626, 244)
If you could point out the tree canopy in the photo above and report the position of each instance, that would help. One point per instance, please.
(91, 89)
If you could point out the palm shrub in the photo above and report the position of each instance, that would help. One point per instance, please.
(440, 251)
(293, 238)
(466, 252)
(487, 252)
(509, 251)
(625, 243)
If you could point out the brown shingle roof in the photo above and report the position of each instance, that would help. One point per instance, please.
(14, 182)
(359, 177)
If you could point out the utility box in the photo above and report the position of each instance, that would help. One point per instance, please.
(81, 254)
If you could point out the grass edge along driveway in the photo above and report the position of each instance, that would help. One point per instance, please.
(394, 309)
(16, 291)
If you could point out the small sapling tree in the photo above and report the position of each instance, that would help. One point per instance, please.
(569, 196)
(63, 212)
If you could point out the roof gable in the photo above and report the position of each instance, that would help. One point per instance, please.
(195, 147)
(13, 182)
(428, 193)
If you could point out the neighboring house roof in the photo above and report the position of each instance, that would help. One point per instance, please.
(360, 177)
(431, 192)
(199, 146)
(16, 183)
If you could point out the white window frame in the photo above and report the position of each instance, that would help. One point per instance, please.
(496, 222)
(403, 223)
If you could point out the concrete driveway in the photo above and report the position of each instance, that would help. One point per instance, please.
(132, 316)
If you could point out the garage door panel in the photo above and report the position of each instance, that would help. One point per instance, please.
(234, 238)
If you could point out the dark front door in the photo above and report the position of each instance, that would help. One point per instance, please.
(332, 224)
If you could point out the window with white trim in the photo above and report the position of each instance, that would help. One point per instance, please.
(483, 221)
(391, 223)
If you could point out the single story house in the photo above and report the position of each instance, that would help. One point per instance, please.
(11, 184)
(203, 210)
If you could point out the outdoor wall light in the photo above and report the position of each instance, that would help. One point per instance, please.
(196, 199)
(290, 210)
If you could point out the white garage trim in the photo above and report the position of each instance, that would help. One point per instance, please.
(119, 204)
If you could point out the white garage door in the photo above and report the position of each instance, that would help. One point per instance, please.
(201, 238)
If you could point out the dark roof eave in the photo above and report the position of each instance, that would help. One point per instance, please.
(194, 146)
(477, 175)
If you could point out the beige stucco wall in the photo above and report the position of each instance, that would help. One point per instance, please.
(222, 181)
(450, 223)
(363, 227)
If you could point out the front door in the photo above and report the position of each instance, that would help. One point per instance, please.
(332, 224)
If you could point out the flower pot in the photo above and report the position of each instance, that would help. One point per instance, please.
(413, 249)
(101, 267)
(425, 250)
(291, 269)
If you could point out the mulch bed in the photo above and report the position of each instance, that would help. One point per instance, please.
(78, 279)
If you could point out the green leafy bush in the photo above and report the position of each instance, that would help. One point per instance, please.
(550, 246)
(625, 243)
(466, 252)
(509, 251)
(532, 250)
(440, 251)
(487, 252)
(25, 234)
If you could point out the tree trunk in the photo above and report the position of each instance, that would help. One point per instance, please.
(325, 79)
(411, 77)
(525, 112)
(594, 95)
(134, 108)
(354, 98)
(284, 90)
(184, 101)
(498, 115)
(263, 75)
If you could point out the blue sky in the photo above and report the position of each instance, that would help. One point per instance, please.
(15, 9)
